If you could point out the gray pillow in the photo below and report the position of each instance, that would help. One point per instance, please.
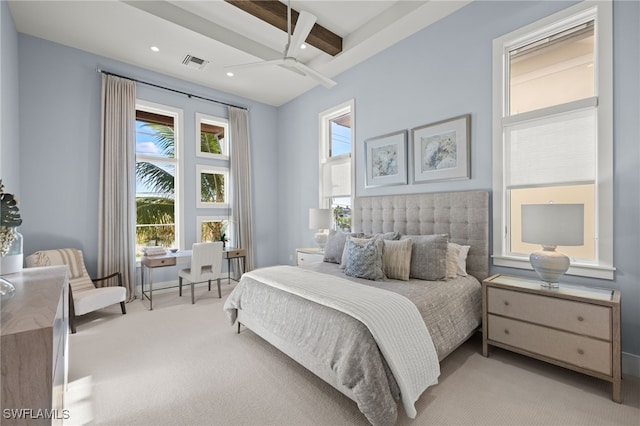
(383, 235)
(335, 246)
(428, 256)
(364, 259)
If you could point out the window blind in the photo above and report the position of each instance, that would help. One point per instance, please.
(551, 150)
(336, 177)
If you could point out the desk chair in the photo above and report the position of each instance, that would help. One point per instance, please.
(206, 265)
(84, 296)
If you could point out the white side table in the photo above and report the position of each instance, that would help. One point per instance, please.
(305, 256)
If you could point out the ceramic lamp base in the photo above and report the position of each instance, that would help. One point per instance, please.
(550, 265)
(321, 239)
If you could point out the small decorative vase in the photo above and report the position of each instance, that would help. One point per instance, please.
(6, 289)
(12, 261)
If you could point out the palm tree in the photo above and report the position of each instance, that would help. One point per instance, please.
(212, 184)
(158, 212)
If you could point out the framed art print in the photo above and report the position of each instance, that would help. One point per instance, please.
(386, 159)
(441, 150)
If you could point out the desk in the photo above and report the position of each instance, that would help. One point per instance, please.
(182, 256)
(160, 261)
(237, 254)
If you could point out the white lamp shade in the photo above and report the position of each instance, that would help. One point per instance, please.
(319, 218)
(553, 224)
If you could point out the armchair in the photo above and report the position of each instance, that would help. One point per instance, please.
(84, 296)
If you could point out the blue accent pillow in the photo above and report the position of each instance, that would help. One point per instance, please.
(364, 259)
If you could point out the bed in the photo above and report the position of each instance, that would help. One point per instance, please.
(295, 308)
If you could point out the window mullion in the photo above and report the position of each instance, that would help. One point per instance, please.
(578, 105)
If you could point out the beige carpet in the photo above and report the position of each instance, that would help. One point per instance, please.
(183, 364)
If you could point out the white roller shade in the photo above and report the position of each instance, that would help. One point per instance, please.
(336, 177)
(552, 150)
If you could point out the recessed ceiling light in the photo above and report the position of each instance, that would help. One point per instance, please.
(155, 48)
(303, 46)
(229, 74)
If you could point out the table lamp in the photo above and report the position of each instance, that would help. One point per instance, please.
(320, 220)
(552, 225)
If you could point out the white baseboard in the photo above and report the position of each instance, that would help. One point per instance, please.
(630, 364)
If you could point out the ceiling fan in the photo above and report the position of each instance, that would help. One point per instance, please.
(294, 42)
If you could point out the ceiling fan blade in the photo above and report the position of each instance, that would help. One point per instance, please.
(255, 64)
(303, 27)
(325, 81)
(292, 68)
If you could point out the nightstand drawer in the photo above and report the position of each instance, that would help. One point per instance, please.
(576, 317)
(581, 351)
(307, 258)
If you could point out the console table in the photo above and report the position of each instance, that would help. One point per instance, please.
(34, 330)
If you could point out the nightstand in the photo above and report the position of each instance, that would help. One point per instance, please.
(572, 326)
(305, 256)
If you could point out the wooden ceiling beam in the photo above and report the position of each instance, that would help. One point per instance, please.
(274, 12)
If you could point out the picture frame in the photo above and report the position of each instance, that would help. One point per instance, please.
(386, 159)
(441, 150)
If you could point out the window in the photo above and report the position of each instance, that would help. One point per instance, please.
(553, 137)
(211, 137)
(212, 186)
(336, 142)
(214, 228)
(157, 175)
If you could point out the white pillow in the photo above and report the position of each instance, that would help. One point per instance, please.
(463, 251)
(452, 260)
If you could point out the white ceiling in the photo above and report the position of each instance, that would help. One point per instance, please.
(225, 36)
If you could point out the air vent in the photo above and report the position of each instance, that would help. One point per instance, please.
(193, 62)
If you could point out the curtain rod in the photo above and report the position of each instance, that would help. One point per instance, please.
(171, 90)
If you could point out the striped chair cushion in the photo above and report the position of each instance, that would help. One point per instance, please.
(79, 279)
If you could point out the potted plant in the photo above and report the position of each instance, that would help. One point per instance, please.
(10, 239)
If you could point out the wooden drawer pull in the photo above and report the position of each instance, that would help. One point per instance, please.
(580, 318)
(581, 351)
(506, 303)
(506, 331)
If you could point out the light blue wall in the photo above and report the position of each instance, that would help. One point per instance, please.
(9, 132)
(60, 93)
(440, 72)
(444, 71)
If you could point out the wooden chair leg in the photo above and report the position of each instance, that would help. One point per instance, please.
(72, 312)
(209, 285)
(219, 292)
(72, 323)
(124, 310)
(180, 286)
(193, 300)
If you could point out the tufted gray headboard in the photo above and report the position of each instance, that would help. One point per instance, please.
(463, 215)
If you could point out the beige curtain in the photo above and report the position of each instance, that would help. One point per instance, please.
(241, 181)
(116, 240)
